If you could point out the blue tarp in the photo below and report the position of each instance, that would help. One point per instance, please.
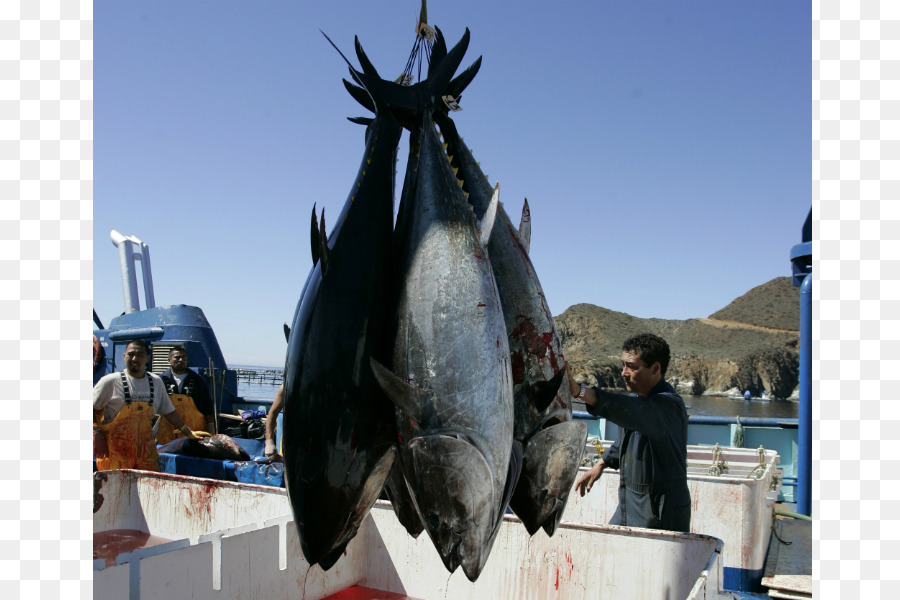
(197, 467)
(251, 472)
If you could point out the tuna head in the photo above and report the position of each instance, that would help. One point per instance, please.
(453, 485)
(451, 478)
(548, 475)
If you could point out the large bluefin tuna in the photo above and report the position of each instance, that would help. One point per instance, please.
(339, 428)
(553, 442)
(451, 378)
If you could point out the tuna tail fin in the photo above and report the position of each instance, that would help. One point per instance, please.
(287, 333)
(357, 76)
(490, 216)
(366, 64)
(459, 83)
(360, 95)
(314, 237)
(545, 391)
(424, 95)
(407, 398)
(525, 227)
(323, 245)
(438, 51)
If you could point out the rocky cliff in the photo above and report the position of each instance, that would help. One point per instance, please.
(751, 344)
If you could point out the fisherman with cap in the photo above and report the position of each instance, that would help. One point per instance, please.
(124, 405)
(651, 450)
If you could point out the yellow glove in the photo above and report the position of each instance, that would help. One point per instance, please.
(193, 435)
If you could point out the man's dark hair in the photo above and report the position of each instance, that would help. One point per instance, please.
(178, 348)
(650, 348)
(141, 343)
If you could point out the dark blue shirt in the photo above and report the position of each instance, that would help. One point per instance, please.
(651, 456)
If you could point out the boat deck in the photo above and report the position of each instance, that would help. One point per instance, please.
(789, 566)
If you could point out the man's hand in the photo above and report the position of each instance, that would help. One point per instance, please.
(587, 480)
(574, 387)
(271, 450)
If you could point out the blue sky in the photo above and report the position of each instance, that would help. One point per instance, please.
(664, 147)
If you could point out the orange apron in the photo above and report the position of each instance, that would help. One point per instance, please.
(187, 410)
(129, 440)
(129, 437)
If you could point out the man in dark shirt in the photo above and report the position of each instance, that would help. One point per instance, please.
(651, 450)
(189, 392)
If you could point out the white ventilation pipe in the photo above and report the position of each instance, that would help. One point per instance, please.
(127, 257)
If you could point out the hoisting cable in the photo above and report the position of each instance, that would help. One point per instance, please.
(421, 47)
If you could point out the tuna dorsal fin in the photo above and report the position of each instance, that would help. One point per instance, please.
(545, 391)
(287, 333)
(323, 244)
(361, 120)
(314, 237)
(525, 227)
(490, 215)
(407, 398)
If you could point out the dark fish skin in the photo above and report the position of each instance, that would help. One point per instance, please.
(451, 377)
(553, 442)
(339, 433)
(219, 447)
(401, 501)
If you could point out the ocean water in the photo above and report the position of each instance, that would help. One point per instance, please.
(722, 406)
(699, 405)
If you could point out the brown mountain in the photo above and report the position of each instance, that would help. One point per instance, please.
(750, 344)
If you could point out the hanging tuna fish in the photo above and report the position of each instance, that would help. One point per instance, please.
(553, 442)
(450, 378)
(339, 432)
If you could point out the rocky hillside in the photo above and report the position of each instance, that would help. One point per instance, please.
(750, 344)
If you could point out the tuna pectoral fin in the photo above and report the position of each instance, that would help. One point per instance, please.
(545, 391)
(287, 333)
(525, 227)
(490, 215)
(406, 397)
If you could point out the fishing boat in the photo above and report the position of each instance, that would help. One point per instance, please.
(763, 397)
(164, 327)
